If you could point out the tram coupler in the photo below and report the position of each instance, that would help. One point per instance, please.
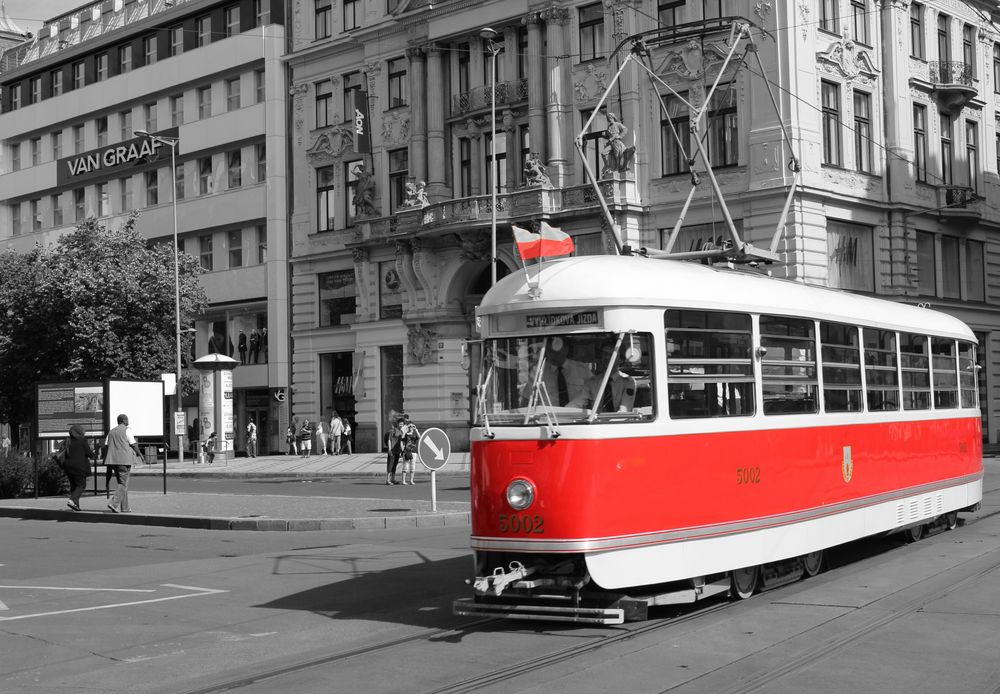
(499, 580)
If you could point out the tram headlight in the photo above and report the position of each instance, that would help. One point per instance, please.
(520, 494)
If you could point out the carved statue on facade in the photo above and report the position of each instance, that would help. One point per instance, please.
(416, 193)
(534, 171)
(421, 344)
(364, 193)
(617, 157)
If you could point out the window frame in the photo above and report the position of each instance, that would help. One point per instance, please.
(833, 151)
(591, 31)
(777, 405)
(841, 374)
(398, 83)
(332, 301)
(918, 48)
(864, 150)
(326, 199)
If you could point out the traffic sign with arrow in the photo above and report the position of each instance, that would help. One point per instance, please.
(434, 448)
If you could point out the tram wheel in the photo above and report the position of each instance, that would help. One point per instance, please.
(951, 520)
(812, 563)
(913, 534)
(743, 582)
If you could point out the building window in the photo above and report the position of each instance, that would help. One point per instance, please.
(149, 117)
(524, 149)
(996, 68)
(975, 271)
(338, 294)
(102, 131)
(859, 12)
(35, 89)
(591, 32)
(399, 87)
(464, 167)
(850, 256)
(78, 139)
(592, 139)
(57, 213)
(152, 188)
(831, 123)
(926, 264)
(399, 164)
(261, 243)
(350, 14)
(125, 120)
(79, 75)
(829, 15)
(205, 176)
(947, 150)
(324, 103)
(670, 12)
(325, 196)
(101, 67)
(917, 30)
(235, 241)
(258, 86)
(234, 161)
(176, 40)
(232, 19)
(233, 94)
(179, 182)
(15, 156)
(522, 53)
(723, 129)
(205, 252)
(79, 204)
(920, 141)
(863, 132)
(56, 138)
(203, 31)
(15, 218)
(350, 204)
(972, 152)
(35, 145)
(352, 83)
(15, 97)
(464, 58)
(943, 39)
(204, 102)
(124, 59)
(149, 50)
(36, 214)
(496, 162)
(177, 110)
(103, 200)
(56, 82)
(261, 13)
(969, 48)
(323, 16)
(125, 189)
(261, 152)
(951, 271)
(713, 9)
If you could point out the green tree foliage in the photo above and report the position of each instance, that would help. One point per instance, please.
(98, 304)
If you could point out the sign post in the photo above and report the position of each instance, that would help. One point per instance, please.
(434, 449)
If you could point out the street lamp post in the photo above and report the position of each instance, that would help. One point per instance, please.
(488, 35)
(172, 143)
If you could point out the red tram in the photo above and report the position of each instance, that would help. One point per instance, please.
(654, 431)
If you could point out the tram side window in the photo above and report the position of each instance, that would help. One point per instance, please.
(841, 367)
(915, 365)
(709, 364)
(967, 374)
(880, 369)
(944, 361)
(788, 365)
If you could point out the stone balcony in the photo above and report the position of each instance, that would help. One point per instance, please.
(481, 98)
(952, 83)
(959, 204)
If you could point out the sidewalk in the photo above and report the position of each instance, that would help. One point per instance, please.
(265, 511)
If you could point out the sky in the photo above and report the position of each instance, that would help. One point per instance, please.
(31, 14)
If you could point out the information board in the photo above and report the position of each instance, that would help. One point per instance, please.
(61, 405)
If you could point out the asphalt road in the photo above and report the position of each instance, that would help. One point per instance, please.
(108, 608)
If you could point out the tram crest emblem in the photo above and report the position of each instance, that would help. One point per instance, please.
(847, 468)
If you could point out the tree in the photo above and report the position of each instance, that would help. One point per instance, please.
(98, 304)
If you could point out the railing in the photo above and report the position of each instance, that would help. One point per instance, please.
(958, 196)
(951, 72)
(512, 92)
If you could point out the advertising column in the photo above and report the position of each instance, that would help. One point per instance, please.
(215, 403)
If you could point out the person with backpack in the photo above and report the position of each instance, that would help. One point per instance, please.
(209, 447)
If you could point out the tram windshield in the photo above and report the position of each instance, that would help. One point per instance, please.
(566, 379)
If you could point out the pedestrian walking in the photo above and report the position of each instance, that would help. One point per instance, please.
(348, 446)
(122, 451)
(76, 465)
(336, 432)
(209, 447)
(305, 439)
(322, 437)
(393, 445)
(293, 449)
(251, 439)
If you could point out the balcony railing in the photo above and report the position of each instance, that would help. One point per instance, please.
(512, 92)
(951, 72)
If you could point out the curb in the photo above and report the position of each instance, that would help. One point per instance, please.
(258, 524)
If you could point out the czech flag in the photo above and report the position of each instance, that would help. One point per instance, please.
(549, 242)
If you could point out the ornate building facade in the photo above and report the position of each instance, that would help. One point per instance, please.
(890, 107)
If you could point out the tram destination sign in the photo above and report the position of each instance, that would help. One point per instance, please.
(554, 320)
(104, 162)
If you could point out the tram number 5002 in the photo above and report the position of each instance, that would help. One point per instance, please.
(748, 475)
(514, 523)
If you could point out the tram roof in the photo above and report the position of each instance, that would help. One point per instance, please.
(605, 281)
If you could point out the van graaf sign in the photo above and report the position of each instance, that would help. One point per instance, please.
(104, 162)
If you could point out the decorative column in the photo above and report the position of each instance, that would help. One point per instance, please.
(418, 112)
(536, 86)
(475, 147)
(513, 152)
(437, 95)
(558, 114)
